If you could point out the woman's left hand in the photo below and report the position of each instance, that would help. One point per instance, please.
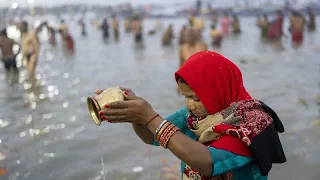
(134, 110)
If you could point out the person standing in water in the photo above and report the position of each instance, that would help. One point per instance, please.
(30, 48)
(225, 23)
(275, 30)
(182, 39)
(83, 27)
(105, 29)
(137, 29)
(312, 21)
(193, 44)
(67, 40)
(263, 24)
(236, 25)
(115, 27)
(168, 36)
(52, 33)
(8, 57)
(297, 23)
(221, 133)
(216, 36)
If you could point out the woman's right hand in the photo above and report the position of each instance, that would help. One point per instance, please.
(129, 91)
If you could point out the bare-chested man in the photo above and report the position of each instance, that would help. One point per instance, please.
(137, 29)
(297, 23)
(168, 36)
(30, 48)
(8, 57)
(115, 27)
(193, 44)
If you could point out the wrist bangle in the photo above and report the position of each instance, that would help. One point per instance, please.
(160, 126)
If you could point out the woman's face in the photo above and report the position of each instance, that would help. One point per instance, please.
(194, 104)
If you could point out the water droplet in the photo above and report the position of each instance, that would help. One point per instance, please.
(65, 104)
(51, 88)
(0, 141)
(33, 105)
(42, 96)
(28, 119)
(65, 75)
(40, 161)
(137, 169)
(73, 118)
(18, 161)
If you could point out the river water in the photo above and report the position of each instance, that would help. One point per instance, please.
(46, 132)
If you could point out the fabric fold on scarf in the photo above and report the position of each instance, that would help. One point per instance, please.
(247, 123)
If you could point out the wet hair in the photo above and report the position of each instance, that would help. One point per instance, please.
(3, 32)
(181, 80)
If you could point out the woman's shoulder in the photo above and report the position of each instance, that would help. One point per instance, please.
(181, 114)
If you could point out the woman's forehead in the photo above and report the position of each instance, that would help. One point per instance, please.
(186, 90)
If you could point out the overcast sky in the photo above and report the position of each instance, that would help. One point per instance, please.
(135, 2)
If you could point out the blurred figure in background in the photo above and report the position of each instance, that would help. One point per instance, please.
(105, 29)
(52, 34)
(214, 19)
(275, 30)
(312, 21)
(263, 24)
(137, 29)
(67, 40)
(236, 25)
(297, 23)
(216, 36)
(225, 23)
(30, 47)
(193, 44)
(115, 27)
(182, 38)
(8, 57)
(83, 27)
(168, 36)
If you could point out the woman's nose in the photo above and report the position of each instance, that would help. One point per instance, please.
(190, 105)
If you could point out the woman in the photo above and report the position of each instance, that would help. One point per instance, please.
(222, 133)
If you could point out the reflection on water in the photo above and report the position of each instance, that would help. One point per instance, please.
(46, 131)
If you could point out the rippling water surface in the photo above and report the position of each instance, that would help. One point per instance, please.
(46, 131)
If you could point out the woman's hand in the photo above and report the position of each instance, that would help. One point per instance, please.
(129, 91)
(134, 110)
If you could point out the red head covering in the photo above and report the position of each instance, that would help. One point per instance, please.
(216, 80)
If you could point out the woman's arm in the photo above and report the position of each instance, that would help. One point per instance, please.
(195, 154)
(144, 133)
(178, 119)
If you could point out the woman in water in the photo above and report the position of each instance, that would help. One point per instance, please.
(222, 133)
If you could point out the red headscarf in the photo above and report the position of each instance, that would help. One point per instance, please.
(216, 80)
